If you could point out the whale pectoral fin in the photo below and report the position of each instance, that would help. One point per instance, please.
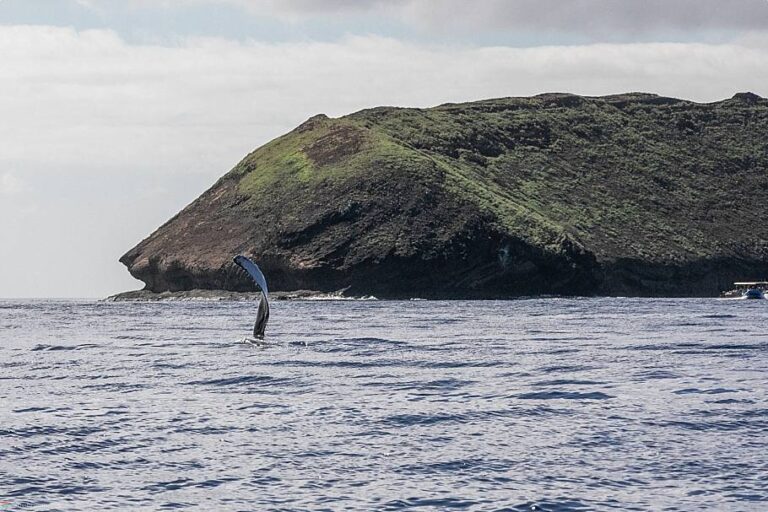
(254, 271)
(262, 317)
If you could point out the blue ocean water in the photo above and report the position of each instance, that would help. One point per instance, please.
(551, 404)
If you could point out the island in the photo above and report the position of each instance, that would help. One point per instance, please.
(555, 194)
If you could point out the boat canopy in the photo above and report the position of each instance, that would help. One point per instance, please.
(752, 283)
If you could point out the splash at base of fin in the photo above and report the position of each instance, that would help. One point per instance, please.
(255, 342)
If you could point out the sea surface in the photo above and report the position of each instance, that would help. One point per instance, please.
(547, 404)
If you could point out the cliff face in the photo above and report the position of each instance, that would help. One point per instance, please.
(556, 194)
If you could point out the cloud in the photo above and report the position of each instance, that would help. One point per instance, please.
(598, 16)
(90, 101)
(10, 185)
(593, 18)
(93, 124)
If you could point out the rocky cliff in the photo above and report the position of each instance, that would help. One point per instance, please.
(632, 194)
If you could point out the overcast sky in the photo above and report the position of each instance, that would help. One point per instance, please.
(117, 113)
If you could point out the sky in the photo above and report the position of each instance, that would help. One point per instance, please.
(115, 114)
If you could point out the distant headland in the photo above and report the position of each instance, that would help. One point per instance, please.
(632, 194)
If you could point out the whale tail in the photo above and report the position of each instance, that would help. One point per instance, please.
(262, 315)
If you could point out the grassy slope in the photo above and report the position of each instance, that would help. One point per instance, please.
(346, 151)
(328, 174)
(632, 176)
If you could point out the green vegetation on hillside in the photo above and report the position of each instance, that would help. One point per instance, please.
(630, 176)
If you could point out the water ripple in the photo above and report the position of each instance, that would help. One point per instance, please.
(548, 405)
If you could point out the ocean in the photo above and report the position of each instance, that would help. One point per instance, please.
(523, 405)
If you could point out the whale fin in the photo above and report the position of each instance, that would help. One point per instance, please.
(262, 315)
(254, 271)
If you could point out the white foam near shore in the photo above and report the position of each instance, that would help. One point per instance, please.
(225, 295)
(334, 296)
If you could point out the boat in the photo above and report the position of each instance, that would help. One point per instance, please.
(753, 293)
(752, 289)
